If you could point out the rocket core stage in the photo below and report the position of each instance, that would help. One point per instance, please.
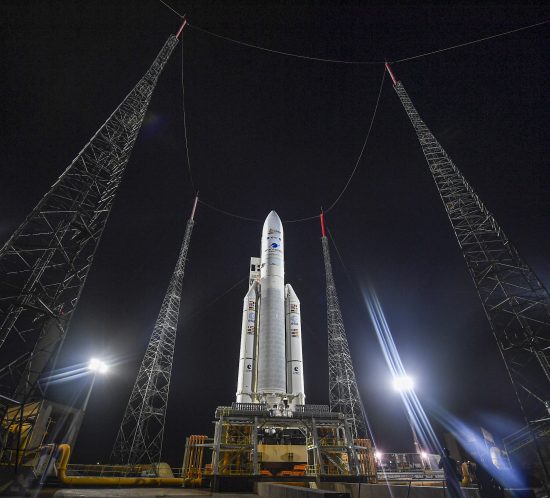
(270, 364)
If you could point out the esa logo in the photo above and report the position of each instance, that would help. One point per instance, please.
(274, 245)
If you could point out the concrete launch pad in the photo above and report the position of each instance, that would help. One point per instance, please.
(268, 490)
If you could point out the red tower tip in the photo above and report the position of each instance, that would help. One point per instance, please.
(391, 74)
(322, 218)
(181, 28)
(194, 207)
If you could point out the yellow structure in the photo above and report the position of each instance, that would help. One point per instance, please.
(63, 462)
(26, 430)
(282, 453)
(251, 444)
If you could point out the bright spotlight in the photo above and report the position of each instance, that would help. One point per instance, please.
(377, 455)
(403, 383)
(98, 366)
(423, 455)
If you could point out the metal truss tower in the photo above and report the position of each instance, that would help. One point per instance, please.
(141, 432)
(515, 301)
(44, 264)
(343, 392)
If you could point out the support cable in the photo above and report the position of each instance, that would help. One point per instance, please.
(172, 9)
(185, 124)
(227, 213)
(355, 62)
(202, 309)
(338, 61)
(364, 145)
(287, 54)
(332, 206)
(346, 271)
(472, 42)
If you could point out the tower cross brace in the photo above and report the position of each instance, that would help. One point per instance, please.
(515, 301)
(344, 394)
(45, 263)
(141, 433)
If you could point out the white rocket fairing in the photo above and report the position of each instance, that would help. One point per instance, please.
(270, 364)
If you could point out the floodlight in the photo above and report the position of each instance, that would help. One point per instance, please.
(98, 366)
(403, 383)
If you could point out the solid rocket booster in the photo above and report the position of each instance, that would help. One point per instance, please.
(270, 361)
(247, 363)
(294, 372)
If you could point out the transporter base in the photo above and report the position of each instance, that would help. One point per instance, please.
(251, 443)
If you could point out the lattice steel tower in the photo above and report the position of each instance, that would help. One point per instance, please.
(139, 439)
(343, 392)
(515, 301)
(44, 264)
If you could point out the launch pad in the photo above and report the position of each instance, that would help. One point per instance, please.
(269, 433)
(254, 443)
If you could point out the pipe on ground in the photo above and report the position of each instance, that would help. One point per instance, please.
(63, 461)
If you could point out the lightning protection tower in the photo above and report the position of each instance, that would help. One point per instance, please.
(44, 264)
(515, 301)
(343, 392)
(141, 432)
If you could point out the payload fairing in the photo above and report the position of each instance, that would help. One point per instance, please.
(270, 364)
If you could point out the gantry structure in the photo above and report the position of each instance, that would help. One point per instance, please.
(141, 433)
(252, 443)
(344, 394)
(45, 263)
(514, 299)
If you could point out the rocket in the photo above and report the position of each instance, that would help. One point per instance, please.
(270, 361)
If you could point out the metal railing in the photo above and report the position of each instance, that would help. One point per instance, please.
(408, 465)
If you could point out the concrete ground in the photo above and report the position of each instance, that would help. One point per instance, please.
(264, 490)
(124, 493)
(129, 493)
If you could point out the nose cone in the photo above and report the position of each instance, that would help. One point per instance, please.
(273, 221)
(272, 238)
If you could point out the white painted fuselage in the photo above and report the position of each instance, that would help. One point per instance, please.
(270, 365)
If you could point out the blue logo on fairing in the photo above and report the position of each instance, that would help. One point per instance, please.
(274, 245)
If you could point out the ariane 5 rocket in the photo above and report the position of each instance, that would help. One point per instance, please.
(270, 362)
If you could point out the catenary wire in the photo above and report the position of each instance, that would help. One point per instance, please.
(185, 124)
(202, 309)
(172, 9)
(471, 42)
(339, 254)
(357, 162)
(308, 218)
(337, 61)
(279, 52)
(227, 213)
(364, 144)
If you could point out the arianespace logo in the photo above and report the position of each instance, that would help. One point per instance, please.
(249, 366)
(296, 370)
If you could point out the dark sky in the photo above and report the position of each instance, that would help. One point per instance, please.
(272, 132)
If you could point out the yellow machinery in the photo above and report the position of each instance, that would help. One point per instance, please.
(251, 444)
(63, 461)
(192, 469)
(28, 428)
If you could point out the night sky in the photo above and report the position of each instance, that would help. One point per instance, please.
(273, 132)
